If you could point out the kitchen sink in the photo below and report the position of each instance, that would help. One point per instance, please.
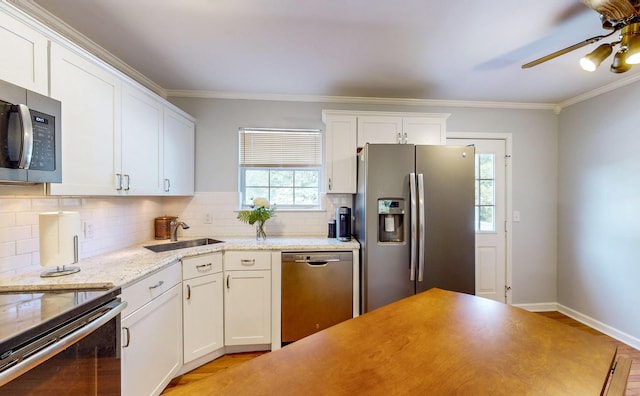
(165, 247)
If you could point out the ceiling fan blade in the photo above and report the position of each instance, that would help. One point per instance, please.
(566, 50)
(614, 10)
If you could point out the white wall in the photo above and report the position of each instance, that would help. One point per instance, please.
(534, 172)
(599, 209)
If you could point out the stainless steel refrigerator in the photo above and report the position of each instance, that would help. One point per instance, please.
(414, 219)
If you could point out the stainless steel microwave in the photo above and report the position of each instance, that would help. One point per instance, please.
(30, 139)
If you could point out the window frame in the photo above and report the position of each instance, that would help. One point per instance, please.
(318, 169)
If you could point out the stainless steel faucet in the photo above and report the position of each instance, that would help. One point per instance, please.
(174, 228)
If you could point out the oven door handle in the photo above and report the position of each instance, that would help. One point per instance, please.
(116, 307)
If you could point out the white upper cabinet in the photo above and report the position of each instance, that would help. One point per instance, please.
(340, 152)
(179, 153)
(346, 131)
(142, 118)
(117, 138)
(23, 58)
(425, 130)
(403, 128)
(91, 108)
(379, 129)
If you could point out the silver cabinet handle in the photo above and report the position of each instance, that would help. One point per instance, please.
(167, 185)
(399, 137)
(228, 281)
(248, 261)
(329, 184)
(204, 267)
(119, 182)
(188, 292)
(125, 330)
(128, 184)
(157, 285)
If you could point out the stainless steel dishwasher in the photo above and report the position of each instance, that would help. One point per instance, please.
(317, 292)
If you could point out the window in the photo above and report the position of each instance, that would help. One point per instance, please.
(485, 193)
(281, 165)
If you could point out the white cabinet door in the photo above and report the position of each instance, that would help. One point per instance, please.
(152, 345)
(340, 153)
(379, 129)
(179, 154)
(203, 316)
(23, 55)
(424, 130)
(91, 108)
(247, 307)
(141, 143)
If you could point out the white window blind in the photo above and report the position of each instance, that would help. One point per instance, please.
(280, 148)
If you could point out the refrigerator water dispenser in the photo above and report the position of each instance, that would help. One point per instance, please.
(391, 220)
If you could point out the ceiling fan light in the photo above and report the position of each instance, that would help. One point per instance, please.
(591, 61)
(588, 64)
(619, 65)
(633, 51)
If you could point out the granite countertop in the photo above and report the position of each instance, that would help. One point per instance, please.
(123, 267)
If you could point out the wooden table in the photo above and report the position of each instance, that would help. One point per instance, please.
(437, 342)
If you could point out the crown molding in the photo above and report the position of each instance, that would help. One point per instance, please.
(74, 37)
(358, 100)
(599, 91)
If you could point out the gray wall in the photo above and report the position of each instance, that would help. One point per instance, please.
(599, 209)
(534, 166)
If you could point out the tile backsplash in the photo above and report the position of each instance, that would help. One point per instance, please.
(108, 224)
(112, 223)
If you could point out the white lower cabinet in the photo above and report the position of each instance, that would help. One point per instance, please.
(247, 298)
(202, 305)
(152, 332)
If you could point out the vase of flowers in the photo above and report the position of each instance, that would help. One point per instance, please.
(260, 213)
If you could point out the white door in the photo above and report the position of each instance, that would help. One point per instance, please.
(491, 208)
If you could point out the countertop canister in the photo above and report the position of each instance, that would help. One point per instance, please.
(163, 226)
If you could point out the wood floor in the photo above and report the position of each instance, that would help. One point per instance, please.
(633, 386)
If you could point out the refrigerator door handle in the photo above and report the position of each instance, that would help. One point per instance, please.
(414, 222)
(421, 223)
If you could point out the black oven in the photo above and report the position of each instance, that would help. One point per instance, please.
(60, 343)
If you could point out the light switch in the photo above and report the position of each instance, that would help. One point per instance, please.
(516, 216)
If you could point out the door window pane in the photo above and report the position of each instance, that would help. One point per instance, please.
(485, 192)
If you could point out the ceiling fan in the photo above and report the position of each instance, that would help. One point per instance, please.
(618, 16)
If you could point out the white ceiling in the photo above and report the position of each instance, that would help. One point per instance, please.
(418, 49)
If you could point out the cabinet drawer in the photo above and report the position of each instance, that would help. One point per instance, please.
(150, 287)
(206, 264)
(247, 260)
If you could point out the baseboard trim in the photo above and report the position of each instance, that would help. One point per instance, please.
(584, 319)
(539, 307)
(601, 327)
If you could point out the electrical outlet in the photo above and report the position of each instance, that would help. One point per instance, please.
(88, 230)
(208, 218)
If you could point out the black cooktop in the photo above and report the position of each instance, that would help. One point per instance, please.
(27, 315)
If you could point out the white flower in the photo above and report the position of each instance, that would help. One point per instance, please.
(261, 202)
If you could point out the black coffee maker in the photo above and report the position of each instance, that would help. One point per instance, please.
(343, 223)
